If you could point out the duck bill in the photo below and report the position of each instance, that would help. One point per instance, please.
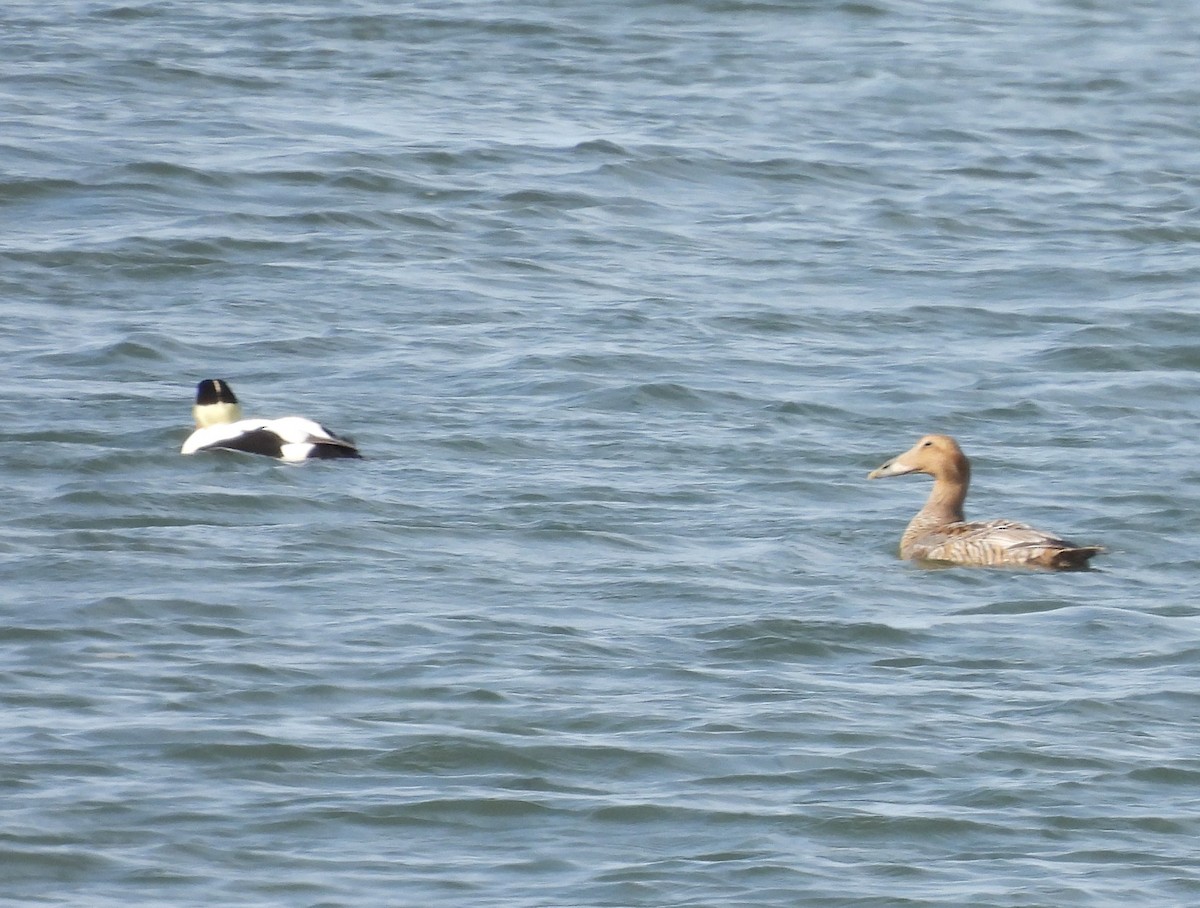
(894, 467)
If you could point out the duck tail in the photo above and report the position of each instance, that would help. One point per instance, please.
(1075, 558)
(327, 451)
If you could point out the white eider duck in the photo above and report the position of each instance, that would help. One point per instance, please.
(940, 533)
(219, 426)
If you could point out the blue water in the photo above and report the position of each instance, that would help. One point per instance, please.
(621, 302)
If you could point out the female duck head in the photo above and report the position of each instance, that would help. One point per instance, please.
(937, 455)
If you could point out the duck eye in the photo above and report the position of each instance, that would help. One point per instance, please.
(927, 444)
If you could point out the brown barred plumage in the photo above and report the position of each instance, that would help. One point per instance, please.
(940, 533)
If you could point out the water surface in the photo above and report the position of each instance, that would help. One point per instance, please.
(621, 302)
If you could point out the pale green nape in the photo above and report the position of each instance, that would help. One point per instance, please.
(216, 414)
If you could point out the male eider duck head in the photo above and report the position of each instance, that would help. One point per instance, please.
(216, 404)
(219, 426)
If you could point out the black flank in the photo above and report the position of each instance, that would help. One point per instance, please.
(259, 441)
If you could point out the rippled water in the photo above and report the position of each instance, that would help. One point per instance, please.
(621, 301)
